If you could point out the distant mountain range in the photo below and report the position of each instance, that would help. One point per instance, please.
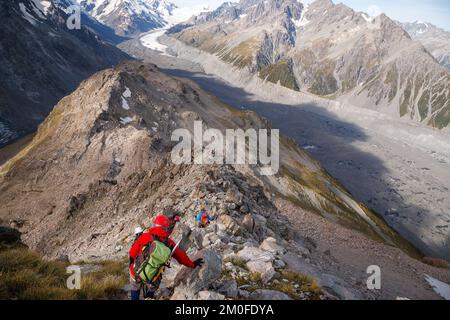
(434, 39)
(329, 50)
(130, 17)
(44, 61)
(325, 49)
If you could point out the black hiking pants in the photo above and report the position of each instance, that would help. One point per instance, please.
(148, 289)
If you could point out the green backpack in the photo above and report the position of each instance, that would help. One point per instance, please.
(149, 265)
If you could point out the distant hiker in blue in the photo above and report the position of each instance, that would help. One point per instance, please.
(203, 218)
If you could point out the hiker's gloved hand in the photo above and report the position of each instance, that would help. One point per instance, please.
(198, 263)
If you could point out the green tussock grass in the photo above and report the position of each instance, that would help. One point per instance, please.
(406, 100)
(253, 280)
(442, 118)
(237, 261)
(240, 56)
(25, 275)
(391, 80)
(282, 73)
(324, 83)
(298, 283)
(423, 104)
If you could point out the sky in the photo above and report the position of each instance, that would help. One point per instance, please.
(435, 11)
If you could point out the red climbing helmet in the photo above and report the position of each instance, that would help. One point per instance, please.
(162, 221)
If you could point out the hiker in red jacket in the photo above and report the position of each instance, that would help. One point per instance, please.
(160, 231)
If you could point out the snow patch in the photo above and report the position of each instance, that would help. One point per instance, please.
(125, 120)
(441, 288)
(155, 10)
(422, 23)
(43, 6)
(366, 17)
(302, 21)
(125, 104)
(127, 93)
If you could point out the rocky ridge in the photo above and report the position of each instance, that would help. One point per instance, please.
(99, 166)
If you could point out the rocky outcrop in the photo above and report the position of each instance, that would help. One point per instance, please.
(262, 294)
(201, 278)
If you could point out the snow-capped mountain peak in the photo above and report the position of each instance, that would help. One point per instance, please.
(34, 10)
(130, 17)
(42, 5)
(164, 7)
(434, 39)
(421, 27)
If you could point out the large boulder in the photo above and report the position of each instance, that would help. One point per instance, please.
(332, 286)
(209, 239)
(337, 288)
(183, 293)
(170, 274)
(253, 253)
(227, 223)
(248, 223)
(196, 238)
(210, 295)
(183, 231)
(234, 196)
(258, 261)
(229, 288)
(264, 268)
(271, 245)
(201, 278)
(260, 228)
(262, 294)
